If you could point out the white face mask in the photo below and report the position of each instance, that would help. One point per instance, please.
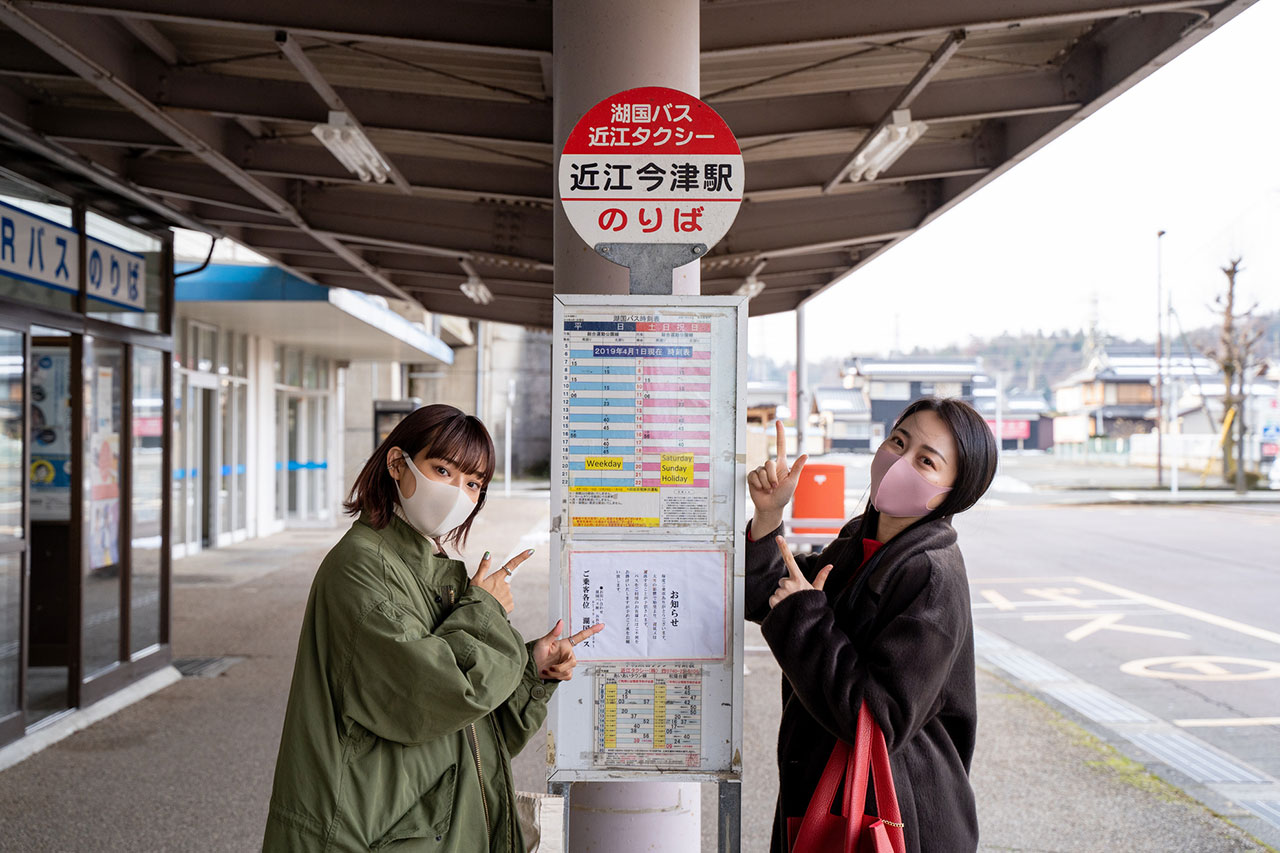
(435, 508)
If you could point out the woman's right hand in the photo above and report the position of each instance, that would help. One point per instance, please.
(772, 485)
(498, 582)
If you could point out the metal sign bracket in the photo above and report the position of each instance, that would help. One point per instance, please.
(651, 264)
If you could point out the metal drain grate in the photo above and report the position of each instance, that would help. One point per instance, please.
(205, 667)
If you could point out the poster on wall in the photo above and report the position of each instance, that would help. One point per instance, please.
(104, 474)
(50, 434)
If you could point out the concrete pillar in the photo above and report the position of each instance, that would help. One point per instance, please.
(601, 48)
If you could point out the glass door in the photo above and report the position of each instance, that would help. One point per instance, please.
(13, 537)
(54, 520)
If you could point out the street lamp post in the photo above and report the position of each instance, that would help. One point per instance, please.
(1159, 360)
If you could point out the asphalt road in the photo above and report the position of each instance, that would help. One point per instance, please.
(1157, 627)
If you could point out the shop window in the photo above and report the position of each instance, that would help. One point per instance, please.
(103, 393)
(309, 375)
(240, 356)
(292, 367)
(39, 258)
(12, 371)
(226, 344)
(206, 339)
(12, 361)
(147, 480)
(125, 276)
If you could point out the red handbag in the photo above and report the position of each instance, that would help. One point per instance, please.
(851, 831)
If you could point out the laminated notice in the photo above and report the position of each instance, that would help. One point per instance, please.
(655, 604)
(647, 716)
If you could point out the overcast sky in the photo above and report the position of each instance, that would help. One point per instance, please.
(1191, 150)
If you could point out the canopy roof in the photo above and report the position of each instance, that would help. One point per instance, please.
(200, 114)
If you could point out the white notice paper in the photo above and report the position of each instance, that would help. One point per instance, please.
(655, 605)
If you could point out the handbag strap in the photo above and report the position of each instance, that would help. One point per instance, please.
(882, 772)
(855, 783)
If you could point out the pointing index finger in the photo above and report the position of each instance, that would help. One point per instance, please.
(787, 557)
(585, 633)
(781, 445)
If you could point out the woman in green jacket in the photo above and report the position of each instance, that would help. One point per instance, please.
(411, 689)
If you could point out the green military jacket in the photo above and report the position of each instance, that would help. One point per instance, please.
(411, 692)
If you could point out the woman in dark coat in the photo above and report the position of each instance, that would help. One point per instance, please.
(881, 615)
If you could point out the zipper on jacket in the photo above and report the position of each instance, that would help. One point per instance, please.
(474, 742)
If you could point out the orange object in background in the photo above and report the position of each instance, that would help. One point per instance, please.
(819, 496)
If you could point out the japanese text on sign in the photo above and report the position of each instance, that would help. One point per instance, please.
(651, 165)
(42, 252)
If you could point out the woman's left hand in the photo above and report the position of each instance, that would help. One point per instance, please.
(554, 658)
(794, 580)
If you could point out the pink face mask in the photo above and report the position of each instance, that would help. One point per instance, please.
(898, 489)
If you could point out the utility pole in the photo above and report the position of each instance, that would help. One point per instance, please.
(801, 414)
(1159, 359)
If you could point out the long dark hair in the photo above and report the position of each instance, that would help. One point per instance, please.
(975, 462)
(446, 433)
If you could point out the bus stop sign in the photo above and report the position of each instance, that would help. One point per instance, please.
(651, 166)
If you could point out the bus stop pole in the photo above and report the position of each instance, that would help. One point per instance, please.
(599, 49)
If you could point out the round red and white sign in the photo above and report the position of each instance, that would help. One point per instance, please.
(651, 165)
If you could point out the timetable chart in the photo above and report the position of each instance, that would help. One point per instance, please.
(648, 716)
(636, 409)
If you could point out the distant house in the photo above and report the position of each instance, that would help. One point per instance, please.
(844, 417)
(1114, 395)
(890, 384)
(1024, 416)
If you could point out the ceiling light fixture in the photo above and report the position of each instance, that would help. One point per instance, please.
(348, 143)
(886, 146)
(751, 287)
(476, 290)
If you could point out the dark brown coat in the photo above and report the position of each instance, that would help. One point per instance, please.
(903, 641)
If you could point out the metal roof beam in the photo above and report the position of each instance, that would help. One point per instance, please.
(802, 177)
(902, 101)
(98, 127)
(829, 221)
(505, 28)
(426, 175)
(964, 99)
(285, 100)
(730, 30)
(14, 127)
(298, 58)
(85, 45)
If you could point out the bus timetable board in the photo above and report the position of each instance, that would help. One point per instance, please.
(648, 501)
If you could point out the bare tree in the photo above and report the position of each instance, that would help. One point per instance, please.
(1234, 354)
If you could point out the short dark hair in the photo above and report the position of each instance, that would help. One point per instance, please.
(976, 456)
(446, 433)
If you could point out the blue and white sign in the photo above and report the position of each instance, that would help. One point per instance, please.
(43, 252)
(1271, 432)
(36, 250)
(114, 275)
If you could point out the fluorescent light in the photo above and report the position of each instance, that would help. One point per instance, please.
(751, 288)
(886, 146)
(346, 141)
(476, 291)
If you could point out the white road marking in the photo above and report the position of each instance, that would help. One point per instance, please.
(997, 600)
(1227, 722)
(1061, 594)
(1067, 602)
(1206, 668)
(1191, 612)
(1101, 622)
